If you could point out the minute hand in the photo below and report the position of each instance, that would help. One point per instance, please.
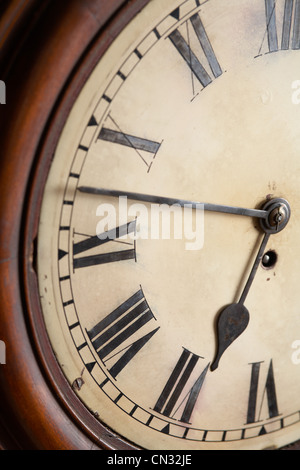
(261, 214)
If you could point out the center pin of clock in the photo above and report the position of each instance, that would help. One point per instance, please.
(279, 213)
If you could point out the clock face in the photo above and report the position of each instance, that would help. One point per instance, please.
(179, 327)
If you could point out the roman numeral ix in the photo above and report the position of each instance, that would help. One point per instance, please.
(110, 236)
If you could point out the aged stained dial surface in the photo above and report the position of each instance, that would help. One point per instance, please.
(194, 101)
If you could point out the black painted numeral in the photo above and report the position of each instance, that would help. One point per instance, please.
(99, 240)
(269, 391)
(146, 149)
(108, 337)
(132, 141)
(183, 47)
(290, 37)
(171, 396)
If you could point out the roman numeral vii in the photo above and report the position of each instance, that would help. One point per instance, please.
(173, 396)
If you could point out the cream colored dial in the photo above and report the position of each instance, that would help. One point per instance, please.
(195, 100)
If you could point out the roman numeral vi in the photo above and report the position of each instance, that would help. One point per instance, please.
(269, 391)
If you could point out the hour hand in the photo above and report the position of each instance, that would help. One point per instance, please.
(234, 318)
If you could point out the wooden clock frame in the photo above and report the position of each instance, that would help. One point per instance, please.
(47, 51)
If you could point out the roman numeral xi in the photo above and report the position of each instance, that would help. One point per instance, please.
(204, 75)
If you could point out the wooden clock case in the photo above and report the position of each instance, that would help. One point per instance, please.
(47, 50)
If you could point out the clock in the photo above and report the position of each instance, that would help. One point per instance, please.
(153, 302)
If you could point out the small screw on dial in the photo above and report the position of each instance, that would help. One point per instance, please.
(269, 259)
(279, 213)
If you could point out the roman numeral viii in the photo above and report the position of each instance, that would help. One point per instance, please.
(100, 240)
(190, 57)
(290, 36)
(173, 396)
(110, 336)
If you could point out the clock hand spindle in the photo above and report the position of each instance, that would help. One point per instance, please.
(234, 318)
